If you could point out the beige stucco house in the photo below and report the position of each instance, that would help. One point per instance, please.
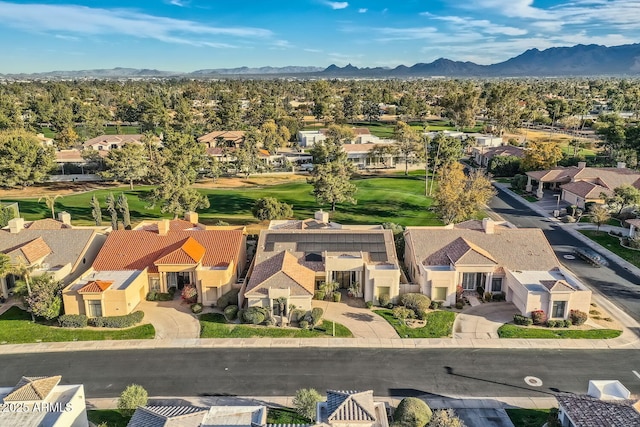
(159, 256)
(293, 258)
(581, 184)
(497, 257)
(49, 246)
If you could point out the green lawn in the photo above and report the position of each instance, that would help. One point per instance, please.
(514, 331)
(528, 417)
(439, 324)
(613, 244)
(16, 327)
(395, 198)
(214, 325)
(109, 416)
(285, 416)
(612, 221)
(385, 129)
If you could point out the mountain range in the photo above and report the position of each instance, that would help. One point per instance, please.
(579, 60)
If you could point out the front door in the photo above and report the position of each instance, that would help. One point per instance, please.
(343, 278)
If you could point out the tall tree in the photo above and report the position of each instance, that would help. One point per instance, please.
(96, 211)
(273, 136)
(611, 127)
(66, 138)
(248, 155)
(45, 299)
(128, 163)
(113, 210)
(503, 106)
(461, 104)
(541, 155)
(623, 196)
(459, 196)
(123, 206)
(50, 201)
(407, 143)
(23, 160)
(599, 215)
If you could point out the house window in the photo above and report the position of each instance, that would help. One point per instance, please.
(154, 284)
(496, 284)
(558, 309)
(440, 293)
(95, 308)
(469, 281)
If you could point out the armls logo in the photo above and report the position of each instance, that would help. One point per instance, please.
(52, 407)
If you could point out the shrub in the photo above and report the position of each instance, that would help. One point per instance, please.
(189, 293)
(319, 295)
(316, 315)
(445, 418)
(152, 296)
(229, 298)
(269, 208)
(305, 402)
(303, 324)
(488, 296)
(459, 292)
(133, 396)
(196, 308)
(73, 321)
(499, 296)
(577, 317)
(539, 317)
(337, 296)
(554, 323)
(566, 323)
(519, 182)
(519, 319)
(117, 321)
(368, 304)
(412, 412)
(269, 322)
(297, 315)
(255, 315)
(162, 296)
(435, 305)
(231, 312)
(403, 313)
(384, 300)
(390, 306)
(417, 302)
(460, 305)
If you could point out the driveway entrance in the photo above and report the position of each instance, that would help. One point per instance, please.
(171, 319)
(362, 322)
(483, 321)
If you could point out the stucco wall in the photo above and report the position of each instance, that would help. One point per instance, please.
(221, 280)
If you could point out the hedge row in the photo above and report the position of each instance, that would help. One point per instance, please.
(117, 321)
(73, 321)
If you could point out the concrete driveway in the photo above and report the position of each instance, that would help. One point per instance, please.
(484, 320)
(362, 322)
(171, 319)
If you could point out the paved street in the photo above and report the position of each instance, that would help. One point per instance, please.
(277, 372)
(614, 282)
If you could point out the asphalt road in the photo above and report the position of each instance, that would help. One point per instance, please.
(278, 372)
(614, 282)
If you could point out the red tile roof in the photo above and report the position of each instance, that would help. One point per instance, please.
(189, 252)
(34, 250)
(140, 249)
(95, 286)
(46, 224)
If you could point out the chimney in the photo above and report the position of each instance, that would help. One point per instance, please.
(163, 227)
(488, 225)
(621, 165)
(15, 225)
(582, 165)
(64, 217)
(192, 217)
(321, 216)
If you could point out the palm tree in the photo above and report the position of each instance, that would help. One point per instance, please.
(23, 270)
(50, 201)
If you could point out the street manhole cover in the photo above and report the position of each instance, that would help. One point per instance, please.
(568, 256)
(533, 381)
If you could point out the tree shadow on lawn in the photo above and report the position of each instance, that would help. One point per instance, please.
(229, 204)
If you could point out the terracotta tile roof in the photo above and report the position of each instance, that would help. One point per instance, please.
(32, 389)
(586, 190)
(140, 249)
(587, 411)
(95, 286)
(348, 406)
(282, 271)
(33, 250)
(115, 139)
(46, 224)
(189, 251)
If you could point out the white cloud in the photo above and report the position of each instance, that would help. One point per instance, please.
(411, 33)
(82, 20)
(312, 50)
(63, 37)
(362, 10)
(179, 3)
(482, 25)
(335, 5)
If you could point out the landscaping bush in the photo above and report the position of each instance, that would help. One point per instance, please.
(460, 305)
(319, 295)
(519, 182)
(297, 315)
(499, 296)
(230, 298)
(368, 304)
(255, 315)
(539, 317)
(231, 312)
(403, 313)
(196, 308)
(303, 324)
(337, 296)
(435, 305)
(488, 296)
(132, 397)
(519, 319)
(269, 322)
(412, 412)
(566, 323)
(390, 306)
(417, 302)
(152, 296)
(316, 315)
(554, 323)
(577, 317)
(125, 321)
(73, 321)
(384, 300)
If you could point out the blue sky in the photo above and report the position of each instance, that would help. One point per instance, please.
(187, 35)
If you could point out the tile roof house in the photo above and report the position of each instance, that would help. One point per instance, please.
(483, 156)
(606, 404)
(581, 184)
(49, 246)
(292, 260)
(156, 257)
(196, 416)
(347, 408)
(110, 142)
(362, 135)
(497, 257)
(43, 402)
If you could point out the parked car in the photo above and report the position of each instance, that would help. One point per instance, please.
(306, 167)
